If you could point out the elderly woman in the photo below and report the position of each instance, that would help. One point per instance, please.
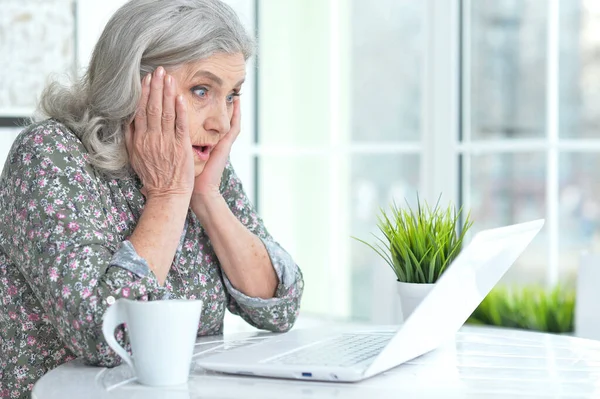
(125, 190)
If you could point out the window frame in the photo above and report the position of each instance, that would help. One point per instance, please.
(439, 168)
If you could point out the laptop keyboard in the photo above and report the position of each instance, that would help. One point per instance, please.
(343, 351)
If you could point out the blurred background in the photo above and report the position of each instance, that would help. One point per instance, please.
(350, 104)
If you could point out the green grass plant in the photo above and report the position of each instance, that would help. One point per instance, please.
(419, 244)
(530, 308)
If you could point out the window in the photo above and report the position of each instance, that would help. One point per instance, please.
(530, 138)
(339, 134)
(489, 102)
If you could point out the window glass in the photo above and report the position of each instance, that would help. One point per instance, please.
(508, 69)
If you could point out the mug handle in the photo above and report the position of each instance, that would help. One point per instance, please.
(114, 317)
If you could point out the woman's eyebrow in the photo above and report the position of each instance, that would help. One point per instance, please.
(214, 78)
(210, 76)
(241, 82)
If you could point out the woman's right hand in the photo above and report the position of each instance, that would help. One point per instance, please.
(158, 139)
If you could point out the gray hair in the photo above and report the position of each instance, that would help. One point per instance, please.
(141, 36)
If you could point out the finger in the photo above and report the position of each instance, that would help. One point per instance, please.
(236, 121)
(168, 106)
(140, 113)
(154, 108)
(181, 121)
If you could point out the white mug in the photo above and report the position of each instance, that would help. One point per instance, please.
(162, 336)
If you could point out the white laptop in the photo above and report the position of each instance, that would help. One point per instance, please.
(354, 355)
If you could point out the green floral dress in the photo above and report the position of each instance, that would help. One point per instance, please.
(65, 257)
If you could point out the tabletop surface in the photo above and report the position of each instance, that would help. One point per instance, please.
(479, 363)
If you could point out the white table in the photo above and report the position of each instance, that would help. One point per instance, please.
(480, 363)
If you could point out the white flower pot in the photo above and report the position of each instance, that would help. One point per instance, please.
(411, 295)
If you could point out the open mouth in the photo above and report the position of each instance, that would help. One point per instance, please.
(202, 151)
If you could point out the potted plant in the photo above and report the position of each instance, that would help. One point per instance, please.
(419, 244)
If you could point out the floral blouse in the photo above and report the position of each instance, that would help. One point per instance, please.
(64, 258)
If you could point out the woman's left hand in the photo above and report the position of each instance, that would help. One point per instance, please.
(207, 183)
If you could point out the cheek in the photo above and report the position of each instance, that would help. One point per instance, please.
(195, 120)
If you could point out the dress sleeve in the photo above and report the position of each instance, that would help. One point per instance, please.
(59, 234)
(275, 314)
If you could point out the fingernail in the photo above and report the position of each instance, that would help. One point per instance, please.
(160, 72)
(147, 79)
(168, 79)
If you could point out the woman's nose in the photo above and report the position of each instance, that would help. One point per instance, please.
(218, 120)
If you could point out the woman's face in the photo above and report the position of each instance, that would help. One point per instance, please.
(209, 87)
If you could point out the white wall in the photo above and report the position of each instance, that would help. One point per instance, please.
(91, 18)
(36, 41)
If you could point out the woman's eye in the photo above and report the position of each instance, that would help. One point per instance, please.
(230, 98)
(200, 92)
